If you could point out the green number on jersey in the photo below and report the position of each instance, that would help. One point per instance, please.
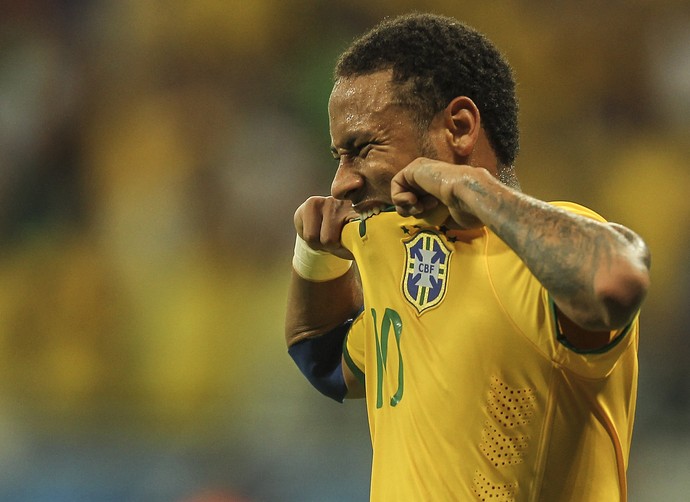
(391, 319)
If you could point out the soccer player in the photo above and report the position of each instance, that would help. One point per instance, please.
(493, 335)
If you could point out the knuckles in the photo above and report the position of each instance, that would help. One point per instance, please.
(319, 221)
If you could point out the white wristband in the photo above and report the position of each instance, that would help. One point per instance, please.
(317, 266)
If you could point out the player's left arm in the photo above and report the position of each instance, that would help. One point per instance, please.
(597, 273)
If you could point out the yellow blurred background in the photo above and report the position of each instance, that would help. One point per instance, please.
(151, 156)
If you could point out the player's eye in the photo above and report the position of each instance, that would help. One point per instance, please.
(364, 151)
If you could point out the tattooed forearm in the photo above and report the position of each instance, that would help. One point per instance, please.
(638, 244)
(588, 267)
(562, 250)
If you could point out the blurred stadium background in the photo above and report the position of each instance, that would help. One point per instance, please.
(151, 155)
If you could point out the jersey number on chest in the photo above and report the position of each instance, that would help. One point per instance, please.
(390, 321)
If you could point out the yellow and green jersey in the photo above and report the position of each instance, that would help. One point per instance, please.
(472, 392)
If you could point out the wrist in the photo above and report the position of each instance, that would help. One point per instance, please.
(317, 266)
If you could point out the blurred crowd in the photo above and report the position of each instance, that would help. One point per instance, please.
(151, 156)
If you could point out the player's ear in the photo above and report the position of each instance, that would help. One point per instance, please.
(463, 125)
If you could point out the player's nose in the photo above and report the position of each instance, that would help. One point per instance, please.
(346, 182)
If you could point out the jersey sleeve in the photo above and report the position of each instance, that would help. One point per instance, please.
(353, 348)
(583, 360)
(533, 314)
(594, 363)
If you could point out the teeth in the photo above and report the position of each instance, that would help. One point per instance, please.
(371, 212)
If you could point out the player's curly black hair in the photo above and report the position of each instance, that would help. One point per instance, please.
(435, 59)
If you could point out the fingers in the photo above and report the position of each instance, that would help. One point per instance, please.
(408, 204)
(310, 219)
(320, 220)
(405, 195)
(413, 188)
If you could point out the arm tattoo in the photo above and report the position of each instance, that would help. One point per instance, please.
(562, 250)
(571, 255)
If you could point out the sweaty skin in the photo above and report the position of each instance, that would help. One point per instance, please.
(597, 273)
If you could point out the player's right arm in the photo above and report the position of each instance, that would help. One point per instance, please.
(319, 307)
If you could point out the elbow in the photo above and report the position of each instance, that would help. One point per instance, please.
(621, 294)
(294, 332)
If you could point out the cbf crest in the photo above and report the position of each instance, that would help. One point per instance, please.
(426, 270)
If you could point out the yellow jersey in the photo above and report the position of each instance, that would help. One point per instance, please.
(472, 392)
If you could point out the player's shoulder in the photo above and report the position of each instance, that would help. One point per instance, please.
(579, 209)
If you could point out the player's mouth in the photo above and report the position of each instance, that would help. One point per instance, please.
(366, 212)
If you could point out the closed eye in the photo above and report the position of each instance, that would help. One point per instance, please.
(364, 150)
(359, 150)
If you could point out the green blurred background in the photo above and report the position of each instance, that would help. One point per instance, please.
(151, 156)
